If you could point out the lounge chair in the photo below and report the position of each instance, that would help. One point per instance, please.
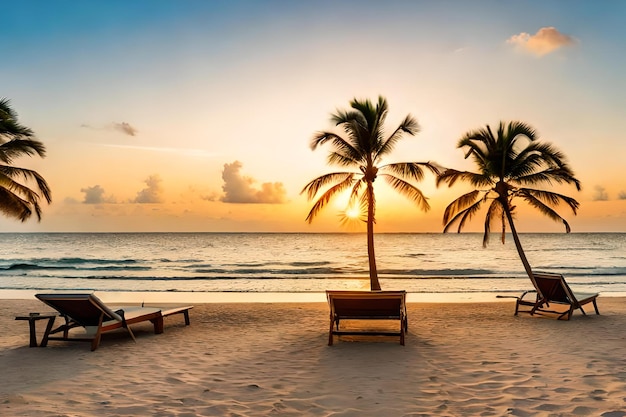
(552, 288)
(89, 312)
(364, 305)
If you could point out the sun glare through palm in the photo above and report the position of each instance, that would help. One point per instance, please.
(352, 213)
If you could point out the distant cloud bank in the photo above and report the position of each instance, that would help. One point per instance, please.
(239, 189)
(545, 41)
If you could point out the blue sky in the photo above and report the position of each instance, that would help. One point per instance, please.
(196, 115)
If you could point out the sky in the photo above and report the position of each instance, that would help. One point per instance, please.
(196, 116)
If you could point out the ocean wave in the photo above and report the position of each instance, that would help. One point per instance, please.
(466, 272)
(36, 267)
(28, 267)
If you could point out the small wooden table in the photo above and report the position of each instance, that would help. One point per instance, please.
(32, 319)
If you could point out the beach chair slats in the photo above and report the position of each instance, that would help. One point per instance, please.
(550, 289)
(363, 305)
(89, 312)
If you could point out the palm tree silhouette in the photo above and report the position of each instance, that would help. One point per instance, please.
(508, 163)
(17, 199)
(363, 148)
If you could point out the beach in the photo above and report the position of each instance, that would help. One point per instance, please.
(260, 359)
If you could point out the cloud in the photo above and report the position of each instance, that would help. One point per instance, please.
(239, 189)
(600, 193)
(125, 128)
(152, 193)
(546, 40)
(95, 195)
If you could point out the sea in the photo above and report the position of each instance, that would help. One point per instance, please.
(304, 262)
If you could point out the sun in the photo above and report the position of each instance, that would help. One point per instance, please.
(351, 217)
(352, 213)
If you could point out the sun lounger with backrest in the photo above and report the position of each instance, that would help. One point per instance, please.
(88, 311)
(364, 305)
(552, 288)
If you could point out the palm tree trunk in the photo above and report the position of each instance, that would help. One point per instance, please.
(374, 284)
(518, 245)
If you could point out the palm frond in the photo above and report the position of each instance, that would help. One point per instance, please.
(356, 192)
(14, 206)
(9, 126)
(20, 190)
(408, 190)
(313, 187)
(549, 176)
(336, 158)
(516, 130)
(494, 212)
(327, 196)
(546, 210)
(27, 175)
(463, 216)
(460, 204)
(411, 170)
(338, 143)
(409, 125)
(451, 176)
(549, 198)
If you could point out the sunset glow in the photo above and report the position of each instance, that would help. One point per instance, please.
(197, 116)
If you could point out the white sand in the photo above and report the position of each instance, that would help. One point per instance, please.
(260, 359)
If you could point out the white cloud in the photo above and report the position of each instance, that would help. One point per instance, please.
(240, 189)
(545, 41)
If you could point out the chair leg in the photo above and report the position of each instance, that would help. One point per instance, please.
(95, 342)
(595, 306)
(158, 325)
(131, 334)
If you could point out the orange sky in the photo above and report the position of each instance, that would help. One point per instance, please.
(198, 117)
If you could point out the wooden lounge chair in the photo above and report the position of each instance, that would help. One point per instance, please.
(364, 305)
(89, 312)
(552, 288)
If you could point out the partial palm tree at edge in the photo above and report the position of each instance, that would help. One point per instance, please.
(508, 161)
(17, 198)
(363, 148)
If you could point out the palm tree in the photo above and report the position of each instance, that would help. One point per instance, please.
(508, 163)
(363, 148)
(17, 199)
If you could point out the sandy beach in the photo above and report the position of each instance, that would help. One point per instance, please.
(260, 359)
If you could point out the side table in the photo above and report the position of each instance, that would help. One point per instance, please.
(32, 319)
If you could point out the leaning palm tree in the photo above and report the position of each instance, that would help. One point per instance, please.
(509, 162)
(17, 198)
(363, 147)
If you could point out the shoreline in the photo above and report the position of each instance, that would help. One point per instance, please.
(268, 297)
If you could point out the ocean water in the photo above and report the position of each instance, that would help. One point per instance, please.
(303, 262)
